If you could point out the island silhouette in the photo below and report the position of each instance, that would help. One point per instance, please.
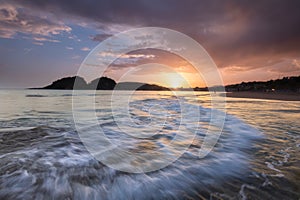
(102, 83)
(286, 84)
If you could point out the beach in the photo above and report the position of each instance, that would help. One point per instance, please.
(283, 96)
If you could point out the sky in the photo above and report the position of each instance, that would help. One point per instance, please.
(41, 41)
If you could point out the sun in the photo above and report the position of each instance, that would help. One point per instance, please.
(174, 80)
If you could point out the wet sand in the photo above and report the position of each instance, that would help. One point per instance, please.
(266, 95)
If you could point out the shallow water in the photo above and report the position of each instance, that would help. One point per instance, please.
(42, 156)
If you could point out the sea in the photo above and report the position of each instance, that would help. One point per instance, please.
(55, 144)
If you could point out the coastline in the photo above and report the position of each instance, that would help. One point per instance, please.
(289, 96)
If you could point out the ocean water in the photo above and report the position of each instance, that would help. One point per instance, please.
(43, 155)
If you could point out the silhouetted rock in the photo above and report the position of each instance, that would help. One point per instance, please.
(139, 86)
(68, 83)
(102, 83)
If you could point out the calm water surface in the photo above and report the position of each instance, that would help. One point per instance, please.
(42, 157)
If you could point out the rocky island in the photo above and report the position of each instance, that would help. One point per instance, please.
(102, 83)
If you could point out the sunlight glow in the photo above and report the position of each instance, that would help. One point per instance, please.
(174, 80)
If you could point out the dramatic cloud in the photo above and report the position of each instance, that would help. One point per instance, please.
(232, 31)
(145, 56)
(240, 36)
(17, 19)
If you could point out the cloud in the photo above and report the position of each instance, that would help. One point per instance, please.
(286, 66)
(43, 39)
(100, 37)
(146, 56)
(239, 35)
(18, 19)
(131, 55)
(38, 43)
(85, 49)
(124, 61)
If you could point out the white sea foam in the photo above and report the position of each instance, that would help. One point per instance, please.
(50, 161)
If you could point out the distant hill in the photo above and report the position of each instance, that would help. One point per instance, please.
(286, 84)
(139, 86)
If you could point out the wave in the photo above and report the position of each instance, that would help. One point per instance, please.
(53, 162)
(36, 95)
